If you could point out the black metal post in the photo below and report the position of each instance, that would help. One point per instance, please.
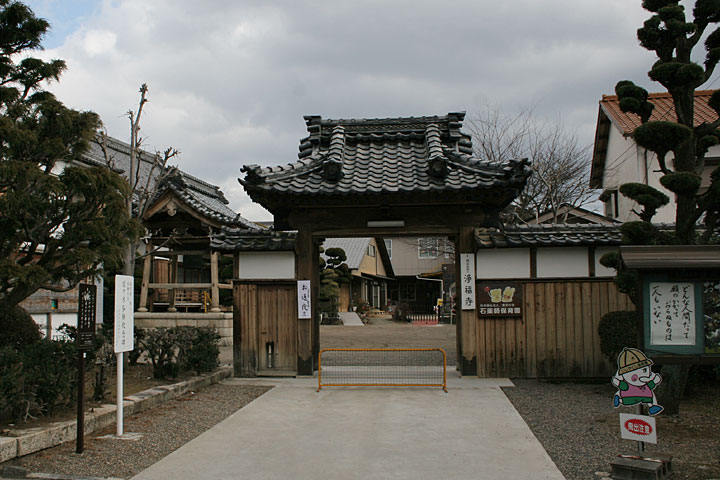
(81, 404)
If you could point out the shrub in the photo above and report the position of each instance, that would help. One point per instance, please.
(618, 330)
(51, 372)
(18, 328)
(160, 344)
(204, 351)
(13, 395)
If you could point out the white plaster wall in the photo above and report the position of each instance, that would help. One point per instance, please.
(600, 270)
(60, 318)
(625, 163)
(502, 263)
(562, 262)
(266, 265)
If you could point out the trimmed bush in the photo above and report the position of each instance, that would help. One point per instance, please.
(618, 330)
(18, 328)
(180, 349)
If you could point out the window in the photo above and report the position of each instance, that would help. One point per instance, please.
(371, 250)
(428, 247)
(406, 291)
(388, 246)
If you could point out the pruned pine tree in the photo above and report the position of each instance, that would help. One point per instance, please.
(59, 222)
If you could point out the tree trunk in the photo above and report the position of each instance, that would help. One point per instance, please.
(129, 258)
(670, 391)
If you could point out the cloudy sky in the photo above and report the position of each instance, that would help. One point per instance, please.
(230, 80)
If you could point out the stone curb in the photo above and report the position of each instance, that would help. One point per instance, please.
(31, 440)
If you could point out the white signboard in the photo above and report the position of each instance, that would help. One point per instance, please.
(638, 427)
(124, 318)
(304, 305)
(672, 313)
(467, 281)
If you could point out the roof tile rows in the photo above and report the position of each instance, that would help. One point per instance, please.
(233, 239)
(203, 197)
(384, 156)
(548, 235)
(664, 110)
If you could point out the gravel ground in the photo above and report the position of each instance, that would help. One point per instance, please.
(165, 428)
(581, 432)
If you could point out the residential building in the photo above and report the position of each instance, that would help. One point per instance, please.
(617, 159)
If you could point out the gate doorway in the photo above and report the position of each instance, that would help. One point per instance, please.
(388, 177)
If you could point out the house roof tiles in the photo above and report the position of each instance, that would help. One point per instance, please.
(664, 110)
(548, 235)
(233, 239)
(199, 195)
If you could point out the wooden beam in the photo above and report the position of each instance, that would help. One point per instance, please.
(173, 280)
(467, 319)
(304, 266)
(147, 266)
(214, 280)
(189, 286)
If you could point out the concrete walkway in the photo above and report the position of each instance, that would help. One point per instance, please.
(294, 432)
(351, 319)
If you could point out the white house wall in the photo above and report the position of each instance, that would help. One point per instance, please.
(503, 263)
(625, 163)
(266, 265)
(562, 262)
(600, 270)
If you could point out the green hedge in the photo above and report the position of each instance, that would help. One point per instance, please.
(618, 330)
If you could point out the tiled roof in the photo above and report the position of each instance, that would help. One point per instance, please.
(383, 156)
(203, 198)
(199, 195)
(664, 110)
(547, 235)
(354, 248)
(243, 240)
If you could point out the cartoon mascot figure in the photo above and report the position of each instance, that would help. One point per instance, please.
(635, 381)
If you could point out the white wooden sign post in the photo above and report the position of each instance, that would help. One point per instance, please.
(124, 338)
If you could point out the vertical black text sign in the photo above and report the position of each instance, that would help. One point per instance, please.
(86, 317)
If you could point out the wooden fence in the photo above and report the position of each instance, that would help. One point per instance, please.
(557, 334)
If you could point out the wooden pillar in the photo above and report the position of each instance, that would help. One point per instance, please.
(214, 280)
(304, 266)
(147, 266)
(467, 319)
(315, 292)
(173, 279)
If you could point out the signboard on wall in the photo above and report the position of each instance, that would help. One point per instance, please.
(304, 303)
(467, 281)
(500, 299)
(124, 318)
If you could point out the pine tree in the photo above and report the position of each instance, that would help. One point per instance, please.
(59, 222)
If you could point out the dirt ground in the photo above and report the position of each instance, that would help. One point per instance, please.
(385, 333)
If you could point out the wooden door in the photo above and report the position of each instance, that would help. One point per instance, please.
(277, 327)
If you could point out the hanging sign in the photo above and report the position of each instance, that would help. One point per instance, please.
(304, 296)
(87, 301)
(672, 313)
(638, 427)
(124, 319)
(500, 299)
(467, 281)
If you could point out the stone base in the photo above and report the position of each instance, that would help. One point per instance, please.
(637, 468)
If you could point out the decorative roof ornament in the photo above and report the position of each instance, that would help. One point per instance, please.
(437, 163)
(333, 161)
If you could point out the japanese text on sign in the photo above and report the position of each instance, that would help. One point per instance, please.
(638, 427)
(124, 317)
(304, 296)
(467, 281)
(86, 316)
(672, 313)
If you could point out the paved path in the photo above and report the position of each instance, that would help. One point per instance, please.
(294, 432)
(351, 319)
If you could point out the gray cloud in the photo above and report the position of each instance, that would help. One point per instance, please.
(230, 81)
